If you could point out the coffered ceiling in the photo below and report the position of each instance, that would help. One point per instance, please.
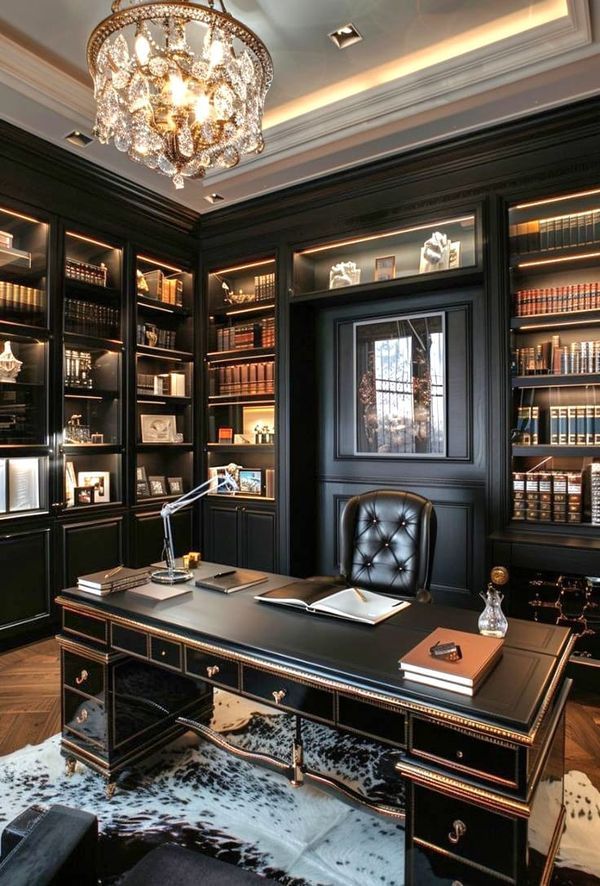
(426, 69)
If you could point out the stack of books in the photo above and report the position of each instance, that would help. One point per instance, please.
(479, 657)
(84, 272)
(111, 581)
(547, 496)
(557, 299)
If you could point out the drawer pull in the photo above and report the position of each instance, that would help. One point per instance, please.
(212, 670)
(163, 652)
(459, 755)
(459, 829)
(82, 717)
(82, 677)
(278, 695)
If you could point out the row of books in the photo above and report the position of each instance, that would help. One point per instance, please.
(154, 284)
(243, 378)
(78, 369)
(547, 496)
(247, 335)
(557, 299)
(154, 337)
(562, 232)
(6, 240)
(264, 287)
(85, 272)
(564, 425)
(20, 299)
(550, 357)
(90, 318)
(592, 492)
(166, 384)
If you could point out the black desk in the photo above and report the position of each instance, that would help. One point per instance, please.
(136, 673)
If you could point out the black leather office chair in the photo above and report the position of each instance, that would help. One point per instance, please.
(387, 543)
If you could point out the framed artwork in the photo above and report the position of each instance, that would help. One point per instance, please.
(140, 473)
(400, 386)
(23, 484)
(158, 486)
(175, 485)
(225, 435)
(84, 495)
(385, 268)
(99, 480)
(158, 428)
(251, 481)
(142, 489)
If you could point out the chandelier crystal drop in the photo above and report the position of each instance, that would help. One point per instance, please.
(179, 86)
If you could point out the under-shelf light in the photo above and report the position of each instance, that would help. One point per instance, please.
(557, 323)
(254, 264)
(28, 218)
(83, 397)
(159, 264)
(91, 240)
(553, 261)
(427, 227)
(240, 402)
(268, 307)
(549, 200)
(155, 307)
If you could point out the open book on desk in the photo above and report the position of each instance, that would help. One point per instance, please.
(354, 604)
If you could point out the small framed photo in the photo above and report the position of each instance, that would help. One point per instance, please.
(225, 435)
(158, 486)
(142, 490)
(84, 495)
(97, 439)
(251, 481)
(158, 428)
(175, 485)
(140, 473)
(99, 481)
(385, 268)
(223, 473)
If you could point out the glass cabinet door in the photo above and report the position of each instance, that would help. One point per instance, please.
(23, 269)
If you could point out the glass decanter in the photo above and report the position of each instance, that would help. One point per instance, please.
(492, 621)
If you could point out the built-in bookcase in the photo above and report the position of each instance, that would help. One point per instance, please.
(164, 359)
(241, 359)
(555, 359)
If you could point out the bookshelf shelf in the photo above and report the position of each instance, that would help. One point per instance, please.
(555, 321)
(237, 354)
(240, 399)
(90, 393)
(91, 290)
(87, 448)
(556, 450)
(165, 353)
(553, 381)
(156, 305)
(162, 398)
(241, 447)
(93, 341)
(178, 447)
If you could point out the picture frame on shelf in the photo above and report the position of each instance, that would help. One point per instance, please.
(142, 489)
(140, 473)
(97, 439)
(250, 481)
(158, 428)
(84, 495)
(225, 435)
(70, 483)
(218, 474)
(175, 485)
(158, 486)
(23, 484)
(99, 480)
(385, 268)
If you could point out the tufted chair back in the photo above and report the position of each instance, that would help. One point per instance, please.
(387, 543)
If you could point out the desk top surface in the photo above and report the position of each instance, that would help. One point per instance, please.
(360, 655)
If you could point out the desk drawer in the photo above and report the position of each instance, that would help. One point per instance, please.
(85, 717)
(85, 625)
(287, 693)
(83, 674)
(463, 829)
(430, 868)
(129, 640)
(212, 668)
(483, 759)
(166, 652)
(372, 720)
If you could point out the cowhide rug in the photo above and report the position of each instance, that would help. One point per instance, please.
(204, 798)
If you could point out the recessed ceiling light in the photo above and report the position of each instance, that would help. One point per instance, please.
(345, 36)
(214, 198)
(79, 139)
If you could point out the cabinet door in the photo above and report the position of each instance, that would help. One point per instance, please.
(258, 538)
(147, 536)
(90, 547)
(25, 572)
(221, 534)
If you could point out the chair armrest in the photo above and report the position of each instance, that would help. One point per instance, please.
(59, 849)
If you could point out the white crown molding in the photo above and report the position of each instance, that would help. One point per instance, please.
(39, 79)
(519, 56)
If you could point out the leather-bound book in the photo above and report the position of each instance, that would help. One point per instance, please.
(479, 657)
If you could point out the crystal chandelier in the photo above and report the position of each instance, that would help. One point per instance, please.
(179, 86)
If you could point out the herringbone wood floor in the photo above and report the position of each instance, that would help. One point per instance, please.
(30, 708)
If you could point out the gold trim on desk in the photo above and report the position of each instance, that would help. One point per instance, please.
(553, 848)
(466, 861)
(444, 783)
(481, 727)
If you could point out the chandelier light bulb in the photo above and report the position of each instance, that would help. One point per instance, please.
(202, 108)
(178, 99)
(142, 48)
